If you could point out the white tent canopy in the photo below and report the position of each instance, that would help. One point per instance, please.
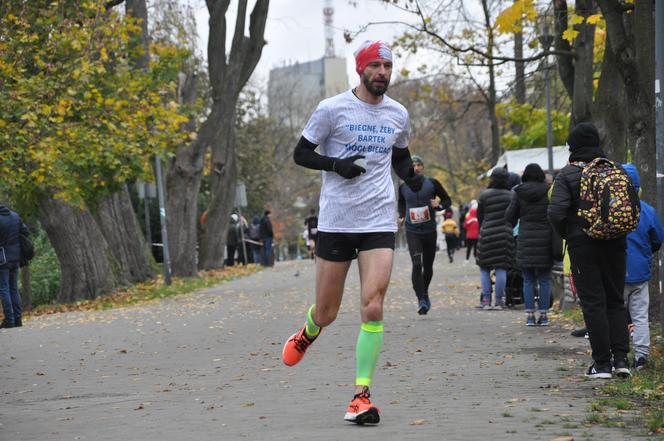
(517, 160)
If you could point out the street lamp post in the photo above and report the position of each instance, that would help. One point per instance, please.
(545, 38)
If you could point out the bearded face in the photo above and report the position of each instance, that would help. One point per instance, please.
(376, 77)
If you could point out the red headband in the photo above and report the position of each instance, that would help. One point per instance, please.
(371, 51)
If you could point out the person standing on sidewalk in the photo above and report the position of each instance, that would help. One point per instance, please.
(362, 133)
(11, 227)
(266, 237)
(417, 210)
(472, 226)
(496, 243)
(534, 256)
(597, 265)
(641, 245)
(451, 232)
(311, 224)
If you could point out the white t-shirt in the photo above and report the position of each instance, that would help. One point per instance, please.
(343, 126)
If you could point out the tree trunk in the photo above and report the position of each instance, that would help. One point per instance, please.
(183, 182)
(520, 70)
(565, 62)
(631, 37)
(608, 110)
(222, 187)
(492, 97)
(117, 221)
(82, 251)
(228, 75)
(584, 46)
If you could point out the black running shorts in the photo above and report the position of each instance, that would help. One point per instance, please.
(342, 247)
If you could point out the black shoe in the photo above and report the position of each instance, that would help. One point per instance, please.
(620, 368)
(422, 307)
(18, 323)
(599, 371)
(639, 363)
(6, 324)
(580, 332)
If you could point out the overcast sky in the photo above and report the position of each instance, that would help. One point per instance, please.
(295, 30)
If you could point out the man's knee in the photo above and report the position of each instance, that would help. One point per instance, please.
(373, 310)
(417, 261)
(324, 316)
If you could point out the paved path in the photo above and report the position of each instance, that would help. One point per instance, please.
(207, 366)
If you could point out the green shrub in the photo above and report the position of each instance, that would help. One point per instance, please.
(44, 271)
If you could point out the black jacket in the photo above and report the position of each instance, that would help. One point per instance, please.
(495, 248)
(529, 206)
(266, 228)
(10, 228)
(564, 202)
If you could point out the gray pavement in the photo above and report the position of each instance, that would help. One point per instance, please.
(207, 366)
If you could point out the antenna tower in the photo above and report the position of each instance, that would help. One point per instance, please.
(328, 13)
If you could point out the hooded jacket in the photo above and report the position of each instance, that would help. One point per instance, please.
(495, 247)
(471, 224)
(528, 207)
(564, 203)
(645, 240)
(10, 228)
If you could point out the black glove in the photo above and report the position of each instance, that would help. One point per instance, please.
(345, 167)
(414, 181)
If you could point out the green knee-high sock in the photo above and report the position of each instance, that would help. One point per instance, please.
(369, 343)
(311, 329)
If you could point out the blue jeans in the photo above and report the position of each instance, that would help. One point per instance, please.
(542, 277)
(11, 299)
(267, 251)
(501, 279)
(256, 253)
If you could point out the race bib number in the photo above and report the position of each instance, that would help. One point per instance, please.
(419, 215)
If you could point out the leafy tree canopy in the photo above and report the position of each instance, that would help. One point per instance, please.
(76, 120)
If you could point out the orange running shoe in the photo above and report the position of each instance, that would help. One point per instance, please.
(361, 411)
(295, 347)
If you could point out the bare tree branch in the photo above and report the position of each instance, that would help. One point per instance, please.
(458, 49)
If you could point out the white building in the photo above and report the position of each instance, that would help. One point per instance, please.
(295, 90)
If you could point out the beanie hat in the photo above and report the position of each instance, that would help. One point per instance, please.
(417, 159)
(583, 135)
(371, 50)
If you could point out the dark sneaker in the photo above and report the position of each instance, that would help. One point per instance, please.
(543, 320)
(422, 307)
(361, 410)
(620, 368)
(530, 321)
(639, 363)
(428, 301)
(6, 324)
(597, 371)
(295, 347)
(18, 323)
(580, 332)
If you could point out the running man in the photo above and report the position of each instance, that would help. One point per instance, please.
(361, 134)
(416, 207)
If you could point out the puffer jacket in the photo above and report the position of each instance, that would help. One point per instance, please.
(528, 207)
(495, 248)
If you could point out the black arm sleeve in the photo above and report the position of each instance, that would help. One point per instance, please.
(439, 190)
(402, 203)
(306, 156)
(401, 162)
